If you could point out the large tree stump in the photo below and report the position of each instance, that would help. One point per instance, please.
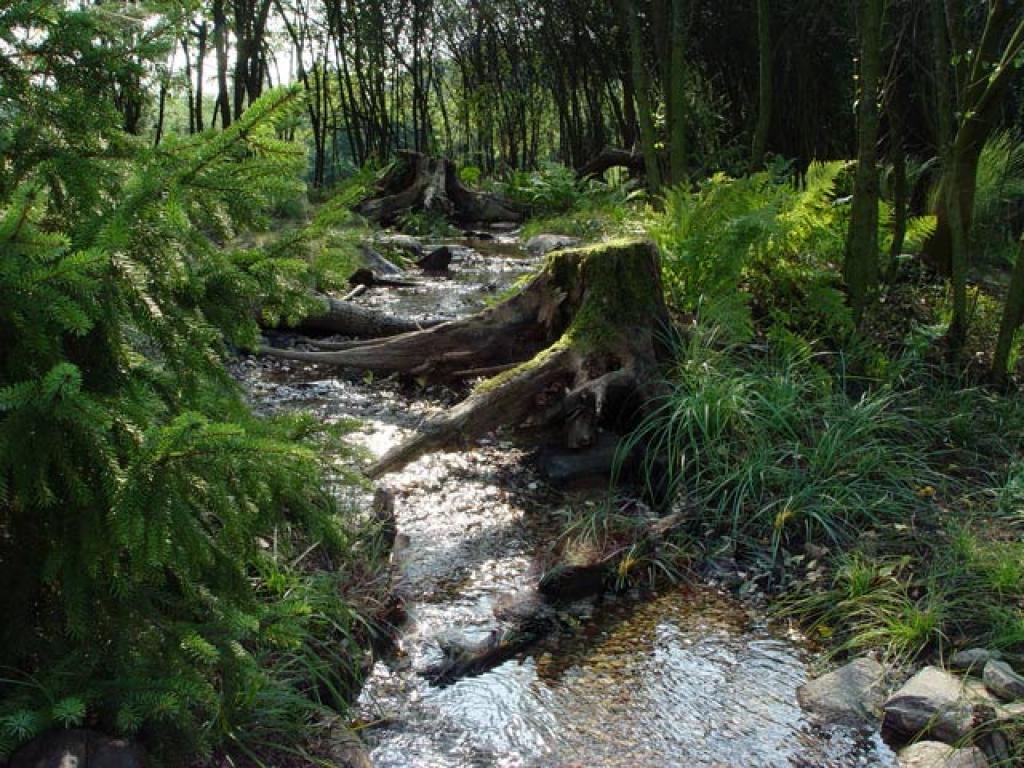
(575, 347)
(420, 182)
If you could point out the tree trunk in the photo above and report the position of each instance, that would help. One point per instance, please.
(575, 348)
(764, 84)
(675, 96)
(220, 44)
(861, 267)
(1013, 316)
(642, 90)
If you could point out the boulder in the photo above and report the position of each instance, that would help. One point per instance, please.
(973, 660)
(376, 262)
(935, 754)
(540, 245)
(932, 702)
(437, 260)
(851, 695)
(1001, 680)
(76, 748)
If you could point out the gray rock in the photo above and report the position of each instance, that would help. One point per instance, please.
(378, 263)
(1000, 678)
(932, 701)
(935, 754)
(400, 242)
(542, 244)
(345, 749)
(851, 695)
(77, 748)
(973, 659)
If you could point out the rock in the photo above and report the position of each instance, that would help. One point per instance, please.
(437, 260)
(399, 242)
(475, 234)
(935, 754)
(565, 466)
(973, 659)
(345, 749)
(77, 748)
(1001, 680)
(932, 702)
(376, 262)
(851, 695)
(571, 581)
(542, 244)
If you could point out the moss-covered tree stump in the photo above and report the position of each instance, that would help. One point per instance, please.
(575, 347)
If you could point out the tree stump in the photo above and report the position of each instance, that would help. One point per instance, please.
(576, 347)
(420, 182)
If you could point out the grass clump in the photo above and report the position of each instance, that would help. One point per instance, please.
(775, 450)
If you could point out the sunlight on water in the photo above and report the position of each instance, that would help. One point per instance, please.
(688, 678)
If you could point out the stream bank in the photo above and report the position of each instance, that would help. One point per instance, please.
(689, 676)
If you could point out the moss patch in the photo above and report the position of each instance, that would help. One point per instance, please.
(616, 286)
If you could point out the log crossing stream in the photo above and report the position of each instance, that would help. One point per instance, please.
(688, 677)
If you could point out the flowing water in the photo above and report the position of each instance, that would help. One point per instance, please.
(687, 677)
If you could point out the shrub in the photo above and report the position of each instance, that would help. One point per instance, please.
(150, 526)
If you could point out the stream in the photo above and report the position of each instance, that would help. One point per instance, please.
(690, 676)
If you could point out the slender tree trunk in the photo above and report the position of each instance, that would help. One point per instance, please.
(764, 84)
(220, 42)
(861, 267)
(1013, 316)
(951, 200)
(642, 88)
(676, 96)
(202, 32)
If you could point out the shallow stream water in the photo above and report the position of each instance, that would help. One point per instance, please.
(687, 677)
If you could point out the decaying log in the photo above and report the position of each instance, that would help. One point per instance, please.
(610, 158)
(345, 318)
(582, 335)
(419, 182)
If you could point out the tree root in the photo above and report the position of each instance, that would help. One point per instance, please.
(419, 182)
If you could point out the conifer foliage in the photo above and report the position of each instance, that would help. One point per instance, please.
(146, 516)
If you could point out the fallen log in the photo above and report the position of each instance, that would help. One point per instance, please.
(419, 182)
(344, 318)
(582, 335)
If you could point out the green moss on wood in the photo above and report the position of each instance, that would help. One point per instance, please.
(617, 285)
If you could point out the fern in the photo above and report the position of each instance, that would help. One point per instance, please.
(755, 240)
